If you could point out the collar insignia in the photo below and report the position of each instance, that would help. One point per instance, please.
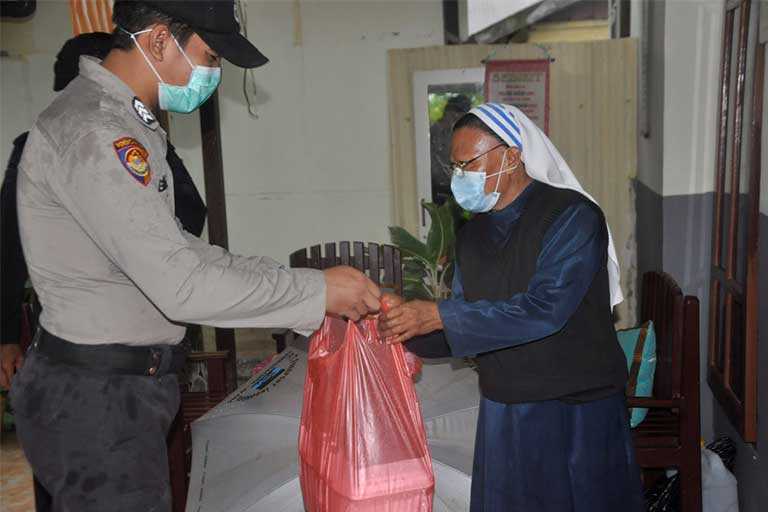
(144, 113)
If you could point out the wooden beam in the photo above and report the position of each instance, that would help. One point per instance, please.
(451, 22)
(213, 170)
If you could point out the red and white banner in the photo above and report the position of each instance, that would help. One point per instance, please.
(522, 83)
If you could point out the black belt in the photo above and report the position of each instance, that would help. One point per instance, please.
(154, 360)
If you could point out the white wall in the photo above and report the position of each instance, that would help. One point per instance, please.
(693, 37)
(692, 40)
(314, 166)
(26, 68)
(650, 145)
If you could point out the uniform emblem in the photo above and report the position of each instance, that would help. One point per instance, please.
(133, 156)
(144, 113)
(163, 184)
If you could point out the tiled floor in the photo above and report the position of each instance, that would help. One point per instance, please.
(15, 477)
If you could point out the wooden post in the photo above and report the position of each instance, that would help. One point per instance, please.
(213, 169)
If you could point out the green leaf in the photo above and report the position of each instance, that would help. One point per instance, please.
(413, 291)
(428, 268)
(414, 278)
(436, 238)
(414, 274)
(408, 244)
(448, 222)
(460, 215)
(442, 233)
(412, 264)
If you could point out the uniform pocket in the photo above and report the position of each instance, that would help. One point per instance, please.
(28, 373)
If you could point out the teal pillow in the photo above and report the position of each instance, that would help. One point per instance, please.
(639, 345)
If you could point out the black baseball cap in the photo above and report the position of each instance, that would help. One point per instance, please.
(67, 65)
(215, 21)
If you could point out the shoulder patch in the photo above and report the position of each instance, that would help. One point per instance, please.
(145, 115)
(134, 158)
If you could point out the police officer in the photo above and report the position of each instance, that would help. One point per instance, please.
(13, 276)
(115, 273)
(190, 208)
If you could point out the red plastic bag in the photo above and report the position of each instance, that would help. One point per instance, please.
(362, 444)
(413, 363)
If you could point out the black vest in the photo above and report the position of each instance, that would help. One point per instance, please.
(581, 362)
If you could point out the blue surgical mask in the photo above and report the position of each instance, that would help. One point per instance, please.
(183, 99)
(468, 189)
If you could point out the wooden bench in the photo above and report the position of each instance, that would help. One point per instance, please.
(670, 434)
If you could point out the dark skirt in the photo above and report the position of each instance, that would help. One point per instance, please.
(555, 457)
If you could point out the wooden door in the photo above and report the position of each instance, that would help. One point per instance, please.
(732, 359)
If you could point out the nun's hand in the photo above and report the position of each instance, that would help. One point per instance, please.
(405, 321)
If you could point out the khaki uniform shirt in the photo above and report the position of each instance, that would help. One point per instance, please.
(107, 257)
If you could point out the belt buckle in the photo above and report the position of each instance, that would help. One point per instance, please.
(160, 361)
(155, 360)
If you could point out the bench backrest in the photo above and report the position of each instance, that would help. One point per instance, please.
(675, 320)
(381, 262)
(662, 302)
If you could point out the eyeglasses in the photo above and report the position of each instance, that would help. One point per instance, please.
(458, 167)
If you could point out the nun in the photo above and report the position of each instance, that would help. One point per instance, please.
(534, 285)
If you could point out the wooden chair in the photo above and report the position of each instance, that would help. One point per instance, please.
(213, 367)
(670, 434)
(381, 262)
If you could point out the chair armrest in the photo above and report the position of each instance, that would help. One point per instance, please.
(653, 403)
(206, 356)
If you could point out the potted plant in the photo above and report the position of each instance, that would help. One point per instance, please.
(428, 267)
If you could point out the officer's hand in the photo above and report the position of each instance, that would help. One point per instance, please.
(390, 301)
(350, 293)
(11, 360)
